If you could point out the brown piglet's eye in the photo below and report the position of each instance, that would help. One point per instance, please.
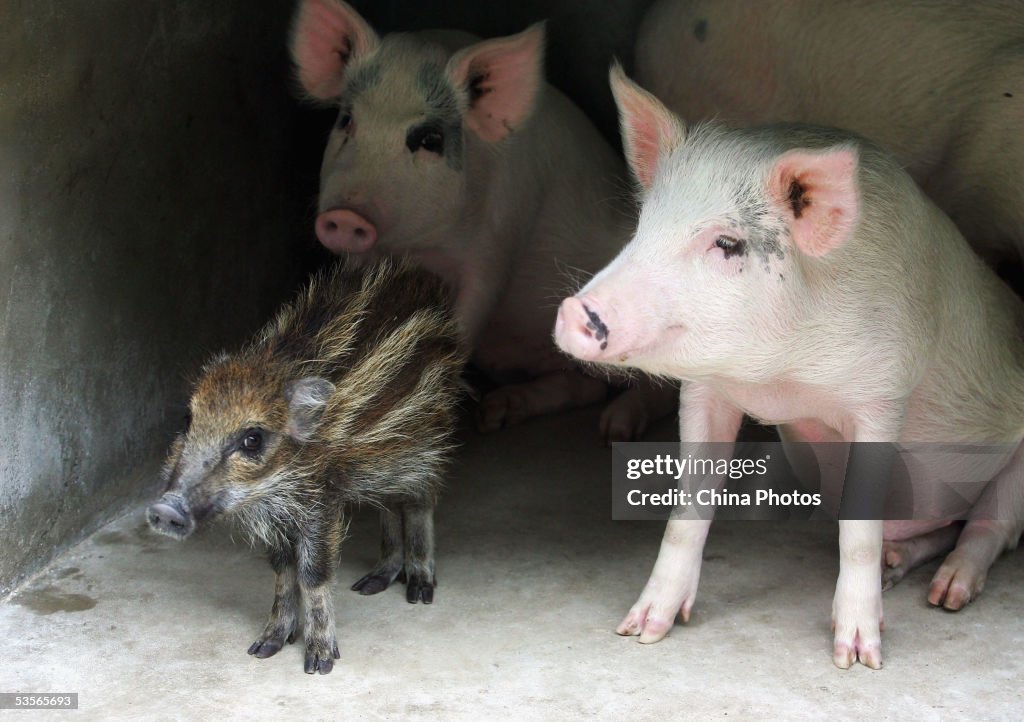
(252, 441)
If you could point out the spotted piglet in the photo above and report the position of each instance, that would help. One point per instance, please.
(453, 152)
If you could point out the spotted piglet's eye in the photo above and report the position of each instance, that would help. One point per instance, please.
(731, 246)
(425, 137)
(344, 120)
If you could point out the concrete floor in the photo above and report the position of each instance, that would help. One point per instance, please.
(534, 576)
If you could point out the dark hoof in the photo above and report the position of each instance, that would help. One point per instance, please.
(321, 661)
(419, 590)
(263, 648)
(270, 644)
(372, 583)
(315, 665)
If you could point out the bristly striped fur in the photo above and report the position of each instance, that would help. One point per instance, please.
(352, 390)
(386, 338)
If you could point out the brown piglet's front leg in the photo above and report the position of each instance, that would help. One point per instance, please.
(317, 559)
(284, 614)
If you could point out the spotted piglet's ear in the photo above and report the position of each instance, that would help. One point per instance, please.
(649, 129)
(307, 398)
(818, 193)
(327, 35)
(502, 77)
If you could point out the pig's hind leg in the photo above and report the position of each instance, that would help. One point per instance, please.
(629, 414)
(392, 560)
(284, 614)
(962, 575)
(995, 526)
(558, 391)
(899, 558)
(626, 418)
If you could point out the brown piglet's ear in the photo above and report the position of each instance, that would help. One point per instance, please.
(817, 191)
(649, 129)
(327, 35)
(307, 398)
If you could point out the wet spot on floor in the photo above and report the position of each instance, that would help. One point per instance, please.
(65, 573)
(50, 599)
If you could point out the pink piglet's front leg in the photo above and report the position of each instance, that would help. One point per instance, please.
(857, 605)
(704, 417)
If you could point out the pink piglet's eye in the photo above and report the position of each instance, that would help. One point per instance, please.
(731, 246)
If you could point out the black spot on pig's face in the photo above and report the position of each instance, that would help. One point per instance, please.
(427, 136)
(731, 246)
(364, 77)
(761, 229)
(597, 326)
(398, 159)
(443, 127)
(440, 97)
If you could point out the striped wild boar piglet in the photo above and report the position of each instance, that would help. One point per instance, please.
(348, 396)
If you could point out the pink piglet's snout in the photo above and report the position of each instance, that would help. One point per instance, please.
(343, 230)
(580, 329)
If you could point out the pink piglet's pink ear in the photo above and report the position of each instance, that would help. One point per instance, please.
(327, 35)
(503, 77)
(649, 129)
(818, 193)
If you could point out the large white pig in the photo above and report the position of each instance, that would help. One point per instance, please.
(798, 275)
(456, 154)
(940, 84)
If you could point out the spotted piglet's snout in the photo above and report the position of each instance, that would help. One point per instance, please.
(342, 230)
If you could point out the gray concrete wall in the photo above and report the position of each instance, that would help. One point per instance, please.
(144, 222)
(156, 192)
